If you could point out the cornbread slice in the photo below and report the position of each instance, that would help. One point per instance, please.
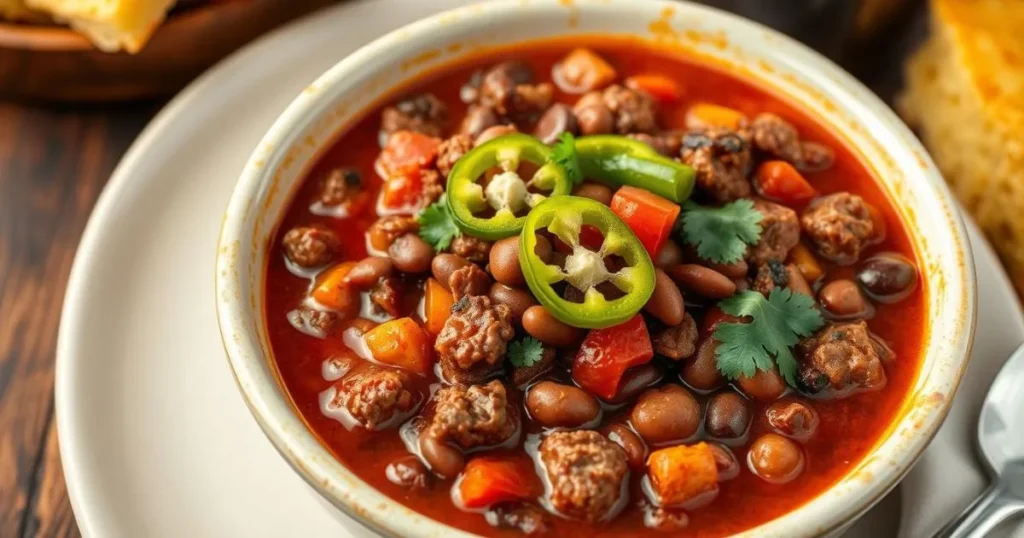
(112, 25)
(965, 95)
(16, 10)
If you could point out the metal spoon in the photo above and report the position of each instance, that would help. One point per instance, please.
(1001, 442)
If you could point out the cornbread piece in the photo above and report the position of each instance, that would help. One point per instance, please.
(965, 95)
(16, 10)
(112, 25)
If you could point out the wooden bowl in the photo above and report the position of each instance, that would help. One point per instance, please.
(53, 63)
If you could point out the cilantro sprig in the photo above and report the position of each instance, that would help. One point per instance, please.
(776, 324)
(564, 154)
(721, 234)
(525, 352)
(437, 226)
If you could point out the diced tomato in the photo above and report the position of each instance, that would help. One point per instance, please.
(660, 87)
(650, 216)
(780, 181)
(403, 192)
(606, 354)
(486, 481)
(401, 343)
(406, 152)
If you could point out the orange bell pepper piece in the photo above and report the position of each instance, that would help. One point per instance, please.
(486, 481)
(333, 292)
(682, 472)
(401, 343)
(437, 306)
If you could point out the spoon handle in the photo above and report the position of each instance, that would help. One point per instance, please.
(992, 508)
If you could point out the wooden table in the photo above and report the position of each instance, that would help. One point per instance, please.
(53, 165)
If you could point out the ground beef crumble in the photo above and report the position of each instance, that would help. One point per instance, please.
(423, 113)
(385, 230)
(451, 150)
(841, 359)
(633, 111)
(780, 232)
(473, 416)
(721, 160)
(586, 472)
(770, 276)
(469, 281)
(311, 246)
(471, 248)
(840, 225)
(338, 186)
(678, 341)
(374, 395)
(476, 332)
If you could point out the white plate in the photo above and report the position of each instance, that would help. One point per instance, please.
(155, 438)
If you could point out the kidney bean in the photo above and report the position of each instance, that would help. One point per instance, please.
(478, 119)
(666, 303)
(636, 380)
(732, 270)
(493, 132)
(843, 299)
(595, 119)
(543, 249)
(665, 414)
(796, 280)
(554, 405)
(702, 280)
(726, 462)
(443, 459)
(727, 415)
(504, 262)
(887, 277)
(594, 191)
(671, 254)
(444, 264)
(517, 299)
(793, 418)
(410, 254)
(556, 120)
(764, 386)
(636, 451)
(775, 459)
(701, 371)
(368, 271)
(540, 324)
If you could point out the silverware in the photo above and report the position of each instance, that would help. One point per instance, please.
(1001, 443)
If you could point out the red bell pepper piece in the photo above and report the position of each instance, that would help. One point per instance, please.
(650, 216)
(780, 181)
(606, 354)
(486, 481)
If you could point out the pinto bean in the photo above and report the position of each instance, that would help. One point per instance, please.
(636, 451)
(493, 132)
(540, 324)
(665, 414)
(701, 372)
(764, 386)
(793, 418)
(594, 191)
(732, 270)
(504, 262)
(478, 119)
(670, 255)
(443, 459)
(666, 303)
(410, 254)
(887, 277)
(557, 119)
(703, 281)
(543, 249)
(843, 299)
(408, 472)
(595, 119)
(775, 459)
(554, 405)
(517, 299)
(443, 265)
(726, 462)
(369, 270)
(727, 416)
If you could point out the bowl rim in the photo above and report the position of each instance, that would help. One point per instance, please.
(288, 433)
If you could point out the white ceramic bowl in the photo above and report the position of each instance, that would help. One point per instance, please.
(338, 98)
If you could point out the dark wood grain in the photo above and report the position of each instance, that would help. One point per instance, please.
(53, 164)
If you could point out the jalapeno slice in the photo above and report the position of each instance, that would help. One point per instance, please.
(507, 193)
(565, 217)
(618, 160)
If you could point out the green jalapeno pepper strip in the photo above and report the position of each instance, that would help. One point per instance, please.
(618, 160)
(507, 193)
(565, 217)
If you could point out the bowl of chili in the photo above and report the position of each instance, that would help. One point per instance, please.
(860, 325)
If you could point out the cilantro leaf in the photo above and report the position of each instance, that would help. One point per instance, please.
(437, 226)
(564, 154)
(525, 352)
(777, 324)
(721, 234)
